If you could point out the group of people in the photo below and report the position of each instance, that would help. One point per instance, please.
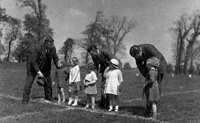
(149, 60)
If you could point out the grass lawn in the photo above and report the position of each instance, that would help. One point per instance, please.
(174, 107)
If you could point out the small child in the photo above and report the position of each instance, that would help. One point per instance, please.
(152, 88)
(114, 79)
(60, 79)
(74, 82)
(90, 85)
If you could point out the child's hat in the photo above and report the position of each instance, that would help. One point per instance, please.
(114, 62)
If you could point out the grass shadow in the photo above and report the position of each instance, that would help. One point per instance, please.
(134, 110)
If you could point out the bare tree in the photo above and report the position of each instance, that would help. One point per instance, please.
(114, 30)
(181, 30)
(13, 32)
(108, 33)
(192, 39)
(36, 22)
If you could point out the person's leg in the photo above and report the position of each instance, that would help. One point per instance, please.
(87, 102)
(70, 94)
(160, 78)
(116, 103)
(76, 89)
(104, 102)
(93, 101)
(27, 89)
(48, 88)
(110, 96)
(148, 105)
(154, 110)
(59, 98)
(63, 95)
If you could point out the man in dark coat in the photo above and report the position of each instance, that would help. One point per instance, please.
(39, 64)
(142, 53)
(101, 61)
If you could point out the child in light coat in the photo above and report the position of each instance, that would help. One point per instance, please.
(114, 79)
(90, 85)
(74, 82)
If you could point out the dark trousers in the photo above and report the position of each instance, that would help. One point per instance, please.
(104, 103)
(28, 86)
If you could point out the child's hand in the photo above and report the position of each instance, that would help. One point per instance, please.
(119, 88)
(53, 83)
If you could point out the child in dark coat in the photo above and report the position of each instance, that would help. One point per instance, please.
(61, 76)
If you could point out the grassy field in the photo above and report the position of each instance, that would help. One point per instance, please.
(180, 102)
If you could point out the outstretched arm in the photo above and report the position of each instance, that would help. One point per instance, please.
(55, 58)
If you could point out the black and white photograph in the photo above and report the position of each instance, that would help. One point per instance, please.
(99, 61)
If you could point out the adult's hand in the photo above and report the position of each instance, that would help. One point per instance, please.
(40, 74)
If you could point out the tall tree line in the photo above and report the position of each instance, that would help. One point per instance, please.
(107, 33)
(187, 31)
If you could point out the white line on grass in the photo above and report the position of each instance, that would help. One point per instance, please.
(25, 114)
(68, 108)
(94, 111)
(166, 94)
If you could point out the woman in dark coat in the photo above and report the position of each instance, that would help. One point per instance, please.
(101, 61)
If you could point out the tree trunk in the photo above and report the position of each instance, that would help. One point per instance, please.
(180, 47)
(39, 21)
(186, 59)
(191, 60)
(9, 50)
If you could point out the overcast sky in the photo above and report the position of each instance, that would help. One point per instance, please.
(68, 18)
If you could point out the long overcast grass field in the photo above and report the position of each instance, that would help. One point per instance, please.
(180, 102)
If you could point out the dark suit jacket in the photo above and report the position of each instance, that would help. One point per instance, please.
(150, 51)
(39, 59)
(101, 61)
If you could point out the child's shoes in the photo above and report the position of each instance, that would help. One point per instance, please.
(116, 108)
(93, 106)
(110, 108)
(86, 107)
(75, 102)
(70, 101)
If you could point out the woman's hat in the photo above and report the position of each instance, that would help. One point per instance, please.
(115, 62)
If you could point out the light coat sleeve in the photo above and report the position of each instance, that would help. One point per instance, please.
(94, 78)
(75, 74)
(120, 77)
